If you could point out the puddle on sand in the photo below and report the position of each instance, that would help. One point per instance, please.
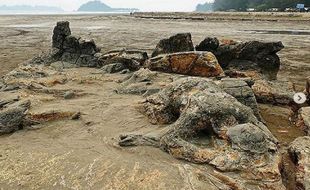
(287, 32)
(278, 122)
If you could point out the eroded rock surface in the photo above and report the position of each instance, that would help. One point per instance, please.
(304, 119)
(251, 59)
(69, 48)
(273, 92)
(177, 43)
(193, 107)
(241, 90)
(202, 64)
(299, 151)
(119, 60)
(12, 116)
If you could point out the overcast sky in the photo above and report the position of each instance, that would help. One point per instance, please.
(143, 5)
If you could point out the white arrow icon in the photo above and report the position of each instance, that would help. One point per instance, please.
(300, 98)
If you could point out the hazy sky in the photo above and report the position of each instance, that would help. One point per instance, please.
(144, 5)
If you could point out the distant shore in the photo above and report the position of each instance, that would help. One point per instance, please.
(61, 13)
(217, 16)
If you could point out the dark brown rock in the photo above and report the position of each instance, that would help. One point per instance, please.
(208, 44)
(255, 56)
(177, 43)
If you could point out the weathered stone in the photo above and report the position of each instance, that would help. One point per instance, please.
(61, 31)
(177, 43)
(88, 47)
(71, 45)
(139, 83)
(304, 119)
(113, 68)
(255, 56)
(127, 63)
(87, 61)
(188, 63)
(196, 106)
(69, 48)
(241, 90)
(130, 59)
(12, 117)
(52, 55)
(208, 44)
(274, 92)
(299, 152)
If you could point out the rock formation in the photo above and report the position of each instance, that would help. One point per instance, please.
(68, 48)
(178, 43)
(202, 64)
(251, 59)
(198, 107)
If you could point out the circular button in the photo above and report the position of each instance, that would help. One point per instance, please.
(300, 98)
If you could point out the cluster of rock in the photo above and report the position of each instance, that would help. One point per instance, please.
(69, 48)
(215, 96)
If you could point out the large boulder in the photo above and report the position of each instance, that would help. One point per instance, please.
(202, 64)
(233, 138)
(239, 58)
(178, 43)
(299, 152)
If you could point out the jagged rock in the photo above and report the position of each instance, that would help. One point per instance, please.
(304, 119)
(61, 31)
(239, 59)
(195, 106)
(299, 152)
(177, 43)
(242, 91)
(274, 92)
(70, 49)
(13, 116)
(208, 44)
(202, 64)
